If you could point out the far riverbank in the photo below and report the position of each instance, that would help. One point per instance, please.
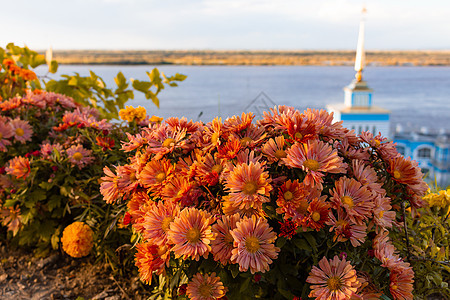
(252, 58)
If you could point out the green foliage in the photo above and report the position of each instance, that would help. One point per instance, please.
(428, 234)
(87, 90)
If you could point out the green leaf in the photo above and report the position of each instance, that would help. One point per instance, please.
(301, 244)
(55, 201)
(37, 60)
(281, 241)
(244, 285)
(53, 68)
(73, 81)
(121, 81)
(142, 86)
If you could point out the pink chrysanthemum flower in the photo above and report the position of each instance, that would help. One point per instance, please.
(109, 187)
(274, 150)
(251, 137)
(127, 181)
(346, 230)
(222, 246)
(276, 116)
(165, 140)
(191, 234)
(205, 287)
(382, 214)
(5, 132)
(367, 176)
(136, 141)
(229, 209)
(248, 186)
(300, 127)
(334, 279)
(326, 127)
(79, 156)
(254, 245)
(151, 258)
(48, 149)
(22, 130)
(316, 158)
(355, 199)
(18, 166)
(157, 220)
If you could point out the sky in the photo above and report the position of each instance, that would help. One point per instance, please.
(225, 24)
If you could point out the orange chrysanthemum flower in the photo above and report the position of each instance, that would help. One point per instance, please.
(156, 174)
(251, 137)
(318, 214)
(164, 140)
(356, 200)
(301, 128)
(19, 166)
(405, 171)
(316, 158)
(401, 283)
(230, 149)
(237, 124)
(290, 197)
(157, 222)
(208, 169)
(205, 287)
(254, 245)
(151, 258)
(77, 239)
(248, 186)
(222, 246)
(334, 279)
(191, 234)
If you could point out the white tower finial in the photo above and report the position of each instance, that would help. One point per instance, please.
(360, 60)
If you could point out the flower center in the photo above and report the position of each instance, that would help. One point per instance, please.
(133, 176)
(394, 287)
(377, 143)
(160, 177)
(215, 138)
(77, 156)
(168, 142)
(20, 132)
(252, 244)
(342, 223)
(348, 200)
(280, 153)
(315, 216)
(228, 239)
(381, 214)
(250, 188)
(334, 283)
(311, 164)
(217, 168)
(288, 195)
(245, 140)
(1, 135)
(205, 291)
(165, 224)
(397, 174)
(193, 235)
(298, 135)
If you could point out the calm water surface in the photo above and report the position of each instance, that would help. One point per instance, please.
(417, 96)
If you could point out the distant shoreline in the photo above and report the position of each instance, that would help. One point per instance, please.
(251, 58)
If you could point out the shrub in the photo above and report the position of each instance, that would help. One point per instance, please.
(292, 206)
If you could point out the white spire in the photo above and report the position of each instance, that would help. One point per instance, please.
(360, 60)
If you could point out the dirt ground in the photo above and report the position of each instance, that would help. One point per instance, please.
(58, 276)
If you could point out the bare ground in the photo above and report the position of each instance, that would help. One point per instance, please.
(22, 276)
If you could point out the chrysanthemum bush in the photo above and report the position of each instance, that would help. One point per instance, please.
(53, 148)
(290, 206)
